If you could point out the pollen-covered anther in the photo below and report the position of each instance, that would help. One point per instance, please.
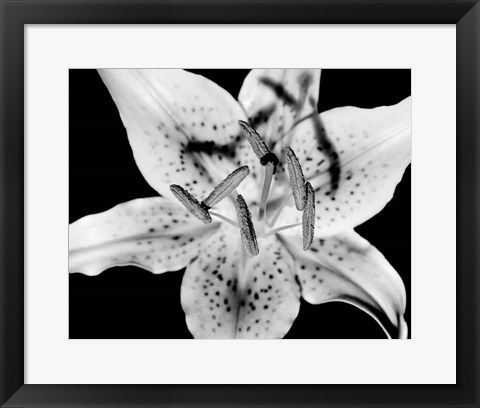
(308, 224)
(297, 180)
(247, 232)
(198, 209)
(226, 186)
(259, 146)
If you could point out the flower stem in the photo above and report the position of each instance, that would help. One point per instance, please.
(267, 181)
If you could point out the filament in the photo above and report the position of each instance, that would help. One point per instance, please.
(285, 227)
(226, 219)
(280, 209)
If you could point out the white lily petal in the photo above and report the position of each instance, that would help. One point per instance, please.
(225, 294)
(271, 294)
(152, 233)
(355, 167)
(275, 98)
(182, 127)
(348, 268)
(266, 95)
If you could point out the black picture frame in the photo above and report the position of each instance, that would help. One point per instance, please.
(16, 14)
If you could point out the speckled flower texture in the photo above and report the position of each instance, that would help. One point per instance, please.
(258, 199)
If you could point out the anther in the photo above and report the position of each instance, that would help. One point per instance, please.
(226, 186)
(309, 218)
(247, 232)
(199, 210)
(297, 180)
(259, 146)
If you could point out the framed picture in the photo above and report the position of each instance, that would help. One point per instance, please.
(164, 203)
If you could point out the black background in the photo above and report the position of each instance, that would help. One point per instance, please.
(128, 302)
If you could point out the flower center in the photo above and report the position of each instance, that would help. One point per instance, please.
(303, 194)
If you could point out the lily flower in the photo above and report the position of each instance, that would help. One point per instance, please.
(258, 199)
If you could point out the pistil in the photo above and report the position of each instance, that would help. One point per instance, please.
(268, 160)
(267, 181)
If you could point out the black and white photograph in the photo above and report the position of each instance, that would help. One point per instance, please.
(240, 203)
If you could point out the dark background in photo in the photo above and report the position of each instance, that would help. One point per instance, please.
(131, 303)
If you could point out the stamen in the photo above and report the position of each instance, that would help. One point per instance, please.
(309, 218)
(259, 146)
(198, 209)
(256, 141)
(226, 186)
(247, 231)
(297, 180)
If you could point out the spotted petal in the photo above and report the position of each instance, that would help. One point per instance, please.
(152, 233)
(354, 160)
(225, 294)
(347, 268)
(274, 99)
(182, 127)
